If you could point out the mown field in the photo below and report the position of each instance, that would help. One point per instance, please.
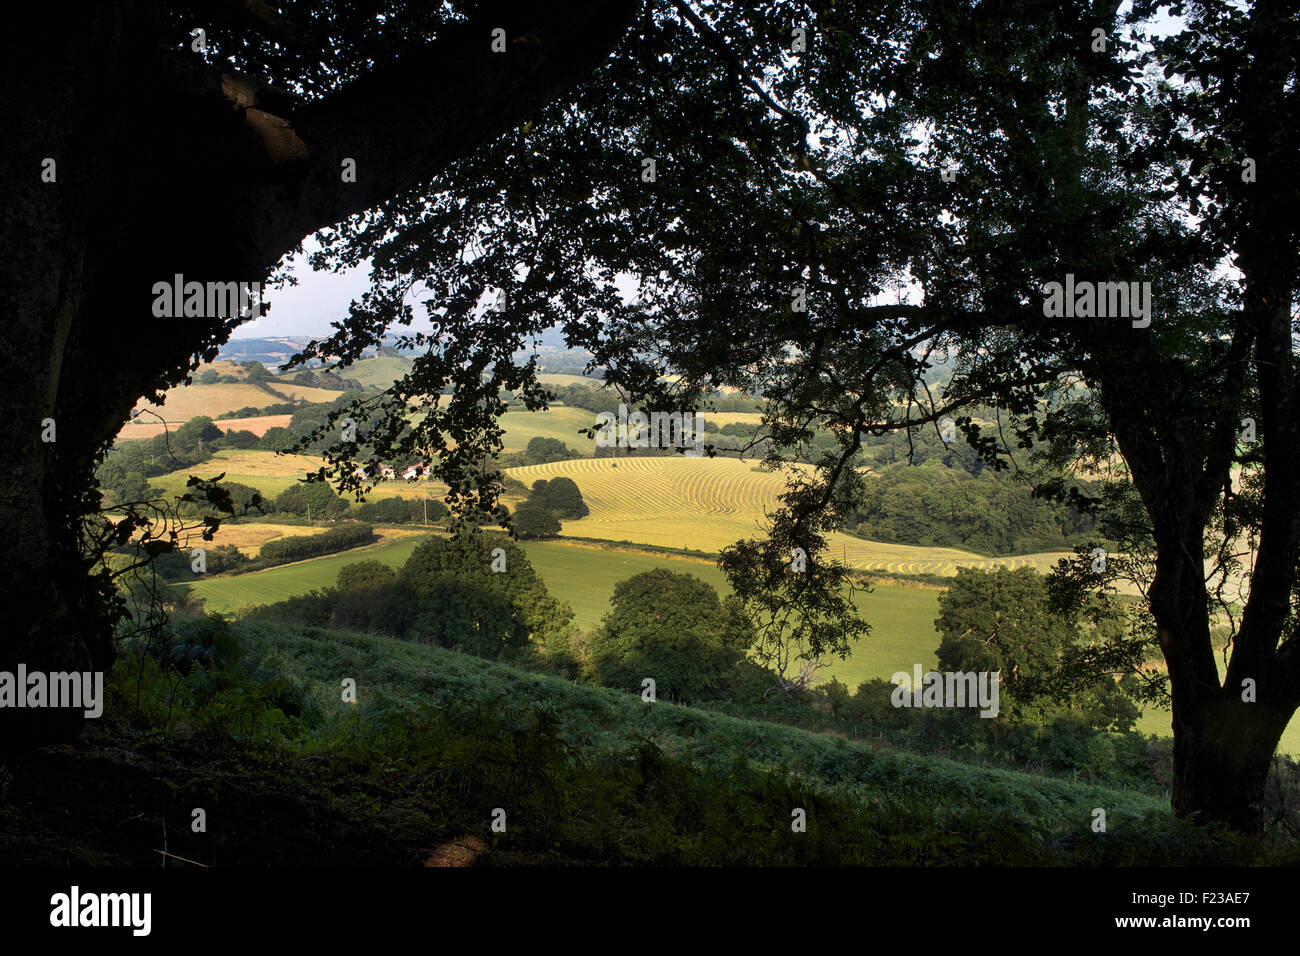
(703, 504)
(693, 504)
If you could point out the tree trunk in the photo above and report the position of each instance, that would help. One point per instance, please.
(1225, 734)
(1223, 748)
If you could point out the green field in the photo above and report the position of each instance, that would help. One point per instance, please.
(902, 617)
(560, 421)
(560, 380)
(379, 371)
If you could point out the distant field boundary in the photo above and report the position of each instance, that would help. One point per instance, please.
(935, 581)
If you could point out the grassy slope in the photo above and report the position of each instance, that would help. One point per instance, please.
(379, 371)
(560, 421)
(602, 720)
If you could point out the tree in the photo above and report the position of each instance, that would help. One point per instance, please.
(465, 564)
(386, 511)
(541, 451)
(1004, 621)
(907, 189)
(195, 433)
(313, 499)
(363, 575)
(799, 608)
(241, 499)
(239, 438)
(209, 377)
(672, 628)
(277, 438)
(260, 125)
(560, 496)
(532, 520)
(256, 372)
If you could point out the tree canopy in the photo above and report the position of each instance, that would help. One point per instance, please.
(810, 203)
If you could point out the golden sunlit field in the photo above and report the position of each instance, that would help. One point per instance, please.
(706, 504)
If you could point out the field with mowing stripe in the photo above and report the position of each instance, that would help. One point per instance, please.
(706, 504)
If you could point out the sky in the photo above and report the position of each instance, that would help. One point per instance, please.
(308, 308)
